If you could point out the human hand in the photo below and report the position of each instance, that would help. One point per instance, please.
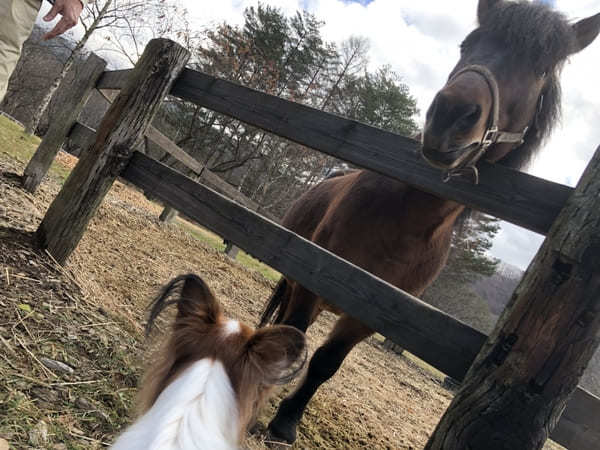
(69, 10)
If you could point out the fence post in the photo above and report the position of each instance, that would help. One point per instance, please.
(231, 250)
(519, 384)
(78, 92)
(121, 129)
(168, 214)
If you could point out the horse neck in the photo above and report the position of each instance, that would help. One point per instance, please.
(198, 410)
(434, 211)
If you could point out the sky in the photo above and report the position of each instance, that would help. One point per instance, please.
(420, 41)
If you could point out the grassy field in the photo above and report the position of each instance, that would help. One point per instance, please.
(21, 146)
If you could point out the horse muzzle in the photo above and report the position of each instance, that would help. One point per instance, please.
(453, 158)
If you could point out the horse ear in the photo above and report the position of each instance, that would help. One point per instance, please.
(586, 31)
(484, 7)
(197, 302)
(278, 353)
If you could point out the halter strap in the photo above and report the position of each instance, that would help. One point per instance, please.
(491, 134)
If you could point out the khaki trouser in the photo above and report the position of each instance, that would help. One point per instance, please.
(16, 22)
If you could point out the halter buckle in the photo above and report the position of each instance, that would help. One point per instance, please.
(489, 137)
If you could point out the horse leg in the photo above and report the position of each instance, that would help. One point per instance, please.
(302, 310)
(325, 362)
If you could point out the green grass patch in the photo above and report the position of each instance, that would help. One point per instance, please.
(21, 146)
(205, 236)
(254, 264)
(215, 241)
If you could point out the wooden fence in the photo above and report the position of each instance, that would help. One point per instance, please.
(83, 137)
(442, 341)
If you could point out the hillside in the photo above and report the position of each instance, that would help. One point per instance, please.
(498, 288)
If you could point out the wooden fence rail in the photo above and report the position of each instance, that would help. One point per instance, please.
(397, 314)
(430, 334)
(516, 197)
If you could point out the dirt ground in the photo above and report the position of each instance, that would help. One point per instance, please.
(89, 316)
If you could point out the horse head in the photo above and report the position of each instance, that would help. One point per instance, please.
(503, 96)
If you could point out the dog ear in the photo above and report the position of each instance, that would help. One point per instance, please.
(586, 30)
(278, 353)
(195, 302)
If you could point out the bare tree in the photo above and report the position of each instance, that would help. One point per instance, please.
(98, 15)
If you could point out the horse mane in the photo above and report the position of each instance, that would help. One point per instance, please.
(542, 37)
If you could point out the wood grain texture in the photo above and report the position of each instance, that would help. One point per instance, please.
(522, 379)
(173, 149)
(433, 336)
(77, 94)
(519, 198)
(579, 425)
(82, 136)
(120, 131)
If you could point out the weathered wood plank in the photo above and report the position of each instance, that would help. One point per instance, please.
(114, 79)
(574, 431)
(82, 136)
(433, 336)
(120, 131)
(79, 91)
(521, 380)
(173, 149)
(519, 198)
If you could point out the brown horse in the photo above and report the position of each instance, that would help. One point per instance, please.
(499, 103)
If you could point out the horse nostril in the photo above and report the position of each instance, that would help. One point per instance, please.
(467, 116)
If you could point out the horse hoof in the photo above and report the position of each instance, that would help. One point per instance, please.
(281, 431)
(276, 442)
(257, 429)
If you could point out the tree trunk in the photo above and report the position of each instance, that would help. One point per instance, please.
(33, 123)
(518, 386)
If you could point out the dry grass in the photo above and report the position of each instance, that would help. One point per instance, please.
(90, 317)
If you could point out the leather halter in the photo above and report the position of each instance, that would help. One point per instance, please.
(466, 163)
